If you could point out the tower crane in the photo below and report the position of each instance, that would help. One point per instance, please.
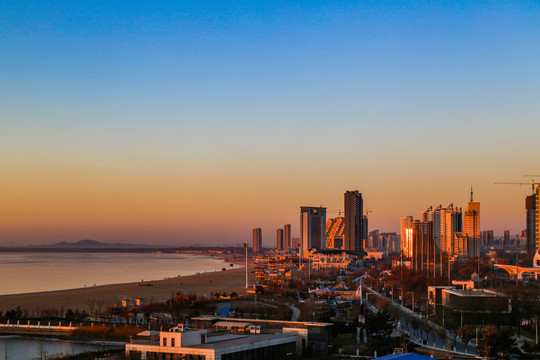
(532, 183)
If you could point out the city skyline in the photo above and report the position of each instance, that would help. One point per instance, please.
(186, 124)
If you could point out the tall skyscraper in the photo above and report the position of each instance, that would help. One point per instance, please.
(312, 228)
(287, 237)
(279, 239)
(537, 201)
(406, 235)
(471, 225)
(354, 207)
(257, 240)
(530, 206)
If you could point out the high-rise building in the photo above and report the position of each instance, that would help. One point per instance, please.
(392, 244)
(353, 221)
(471, 225)
(454, 224)
(486, 237)
(364, 230)
(334, 233)
(406, 235)
(506, 239)
(312, 228)
(537, 230)
(530, 206)
(257, 240)
(422, 245)
(374, 239)
(287, 237)
(439, 227)
(279, 239)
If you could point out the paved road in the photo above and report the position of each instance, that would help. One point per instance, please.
(295, 312)
(431, 337)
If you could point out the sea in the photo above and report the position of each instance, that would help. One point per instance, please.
(24, 348)
(46, 271)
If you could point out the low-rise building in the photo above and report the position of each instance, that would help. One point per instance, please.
(180, 343)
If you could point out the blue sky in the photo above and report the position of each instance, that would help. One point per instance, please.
(422, 97)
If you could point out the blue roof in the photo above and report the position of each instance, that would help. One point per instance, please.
(407, 356)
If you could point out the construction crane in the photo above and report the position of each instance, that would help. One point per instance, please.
(532, 183)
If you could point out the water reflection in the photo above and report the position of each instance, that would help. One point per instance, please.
(22, 348)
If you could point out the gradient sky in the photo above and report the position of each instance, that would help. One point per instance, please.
(191, 122)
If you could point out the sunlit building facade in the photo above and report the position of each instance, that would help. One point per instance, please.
(530, 231)
(287, 237)
(454, 224)
(334, 233)
(279, 239)
(471, 227)
(257, 240)
(406, 235)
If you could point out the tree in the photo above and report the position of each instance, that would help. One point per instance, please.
(91, 304)
(497, 343)
(379, 324)
(466, 334)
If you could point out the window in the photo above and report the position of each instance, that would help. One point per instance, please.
(172, 342)
(164, 341)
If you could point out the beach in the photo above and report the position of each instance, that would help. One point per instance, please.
(160, 290)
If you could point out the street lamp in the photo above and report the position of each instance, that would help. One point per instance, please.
(246, 247)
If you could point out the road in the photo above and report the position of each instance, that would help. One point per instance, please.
(429, 338)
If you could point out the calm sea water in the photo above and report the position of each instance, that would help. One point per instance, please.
(31, 272)
(18, 348)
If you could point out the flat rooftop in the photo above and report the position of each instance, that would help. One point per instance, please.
(261, 321)
(475, 293)
(228, 340)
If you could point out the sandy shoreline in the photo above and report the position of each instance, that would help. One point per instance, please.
(161, 290)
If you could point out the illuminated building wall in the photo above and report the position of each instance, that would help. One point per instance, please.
(530, 232)
(471, 227)
(334, 233)
(406, 235)
(454, 224)
(279, 239)
(257, 240)
(287, 237)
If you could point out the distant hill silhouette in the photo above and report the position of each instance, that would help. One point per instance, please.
(88, 243)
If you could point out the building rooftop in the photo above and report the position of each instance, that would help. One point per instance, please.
(274, 322)
(476, 293)
(229, 340)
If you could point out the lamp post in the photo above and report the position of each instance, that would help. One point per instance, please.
(246, 247)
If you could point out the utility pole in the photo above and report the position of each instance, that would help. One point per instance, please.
(246, 247)
(401, 282)
(517, 270)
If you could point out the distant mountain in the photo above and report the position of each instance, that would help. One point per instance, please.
(87, 243)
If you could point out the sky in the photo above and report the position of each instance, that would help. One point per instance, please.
(191, 122)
